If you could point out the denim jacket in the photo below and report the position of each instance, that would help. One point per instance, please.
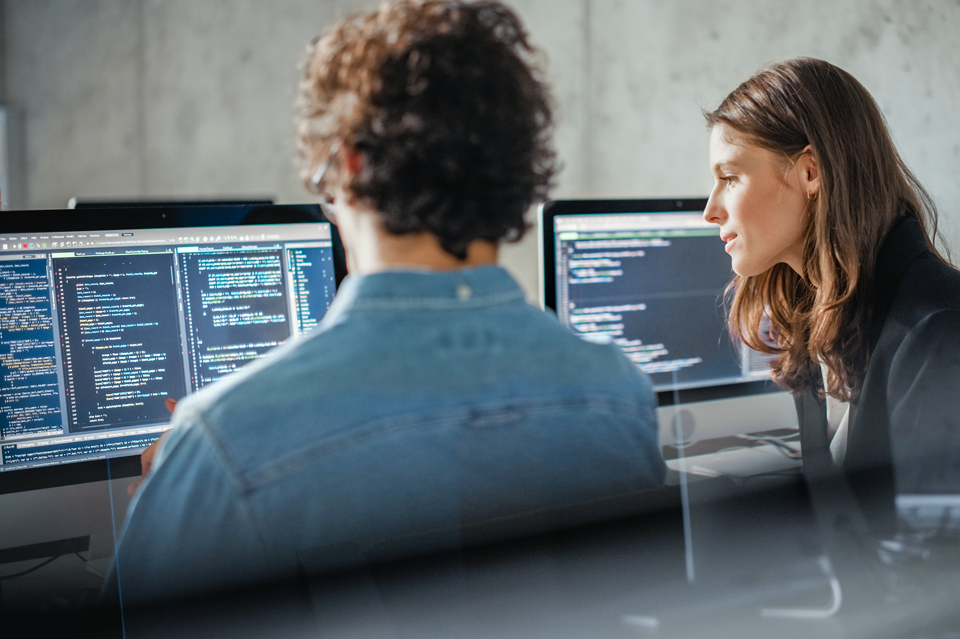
(423, 402)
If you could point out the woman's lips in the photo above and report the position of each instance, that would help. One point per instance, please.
(729, 240)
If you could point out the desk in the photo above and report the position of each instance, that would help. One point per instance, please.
(754, 546)
(755, 549)
(714, 436)
(737, 459)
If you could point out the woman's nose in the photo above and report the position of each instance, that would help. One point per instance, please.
(714, 213)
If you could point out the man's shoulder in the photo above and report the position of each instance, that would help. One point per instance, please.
(552, 334)
(517, 345)
(364, 371)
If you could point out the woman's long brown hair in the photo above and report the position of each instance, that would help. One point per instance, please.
(865, 187)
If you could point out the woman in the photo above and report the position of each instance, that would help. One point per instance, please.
(832, 241)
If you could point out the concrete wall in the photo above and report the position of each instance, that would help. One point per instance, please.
(157, 98)
(3, 53)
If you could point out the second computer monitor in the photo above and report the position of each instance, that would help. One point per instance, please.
(650, 275)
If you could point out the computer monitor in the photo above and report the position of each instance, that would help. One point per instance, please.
(651, 275)
(81, 203)
(108, 312)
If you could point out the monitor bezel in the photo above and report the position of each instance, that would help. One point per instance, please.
(146, 216)
(548, 276)
(87, 204)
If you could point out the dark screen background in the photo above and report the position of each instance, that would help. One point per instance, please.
(673, 285)
(121, 338)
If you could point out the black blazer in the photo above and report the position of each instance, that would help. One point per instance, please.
(904, 429)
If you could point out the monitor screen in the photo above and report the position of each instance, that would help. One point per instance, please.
(650, 275)
(99, 326)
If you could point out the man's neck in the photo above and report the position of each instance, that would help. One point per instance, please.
(423, 251)
(371, 249)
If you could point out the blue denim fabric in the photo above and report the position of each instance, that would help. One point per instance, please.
(423, 402)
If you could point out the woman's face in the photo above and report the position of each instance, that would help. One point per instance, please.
(759, 204)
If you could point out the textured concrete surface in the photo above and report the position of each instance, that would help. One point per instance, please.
(3, 53)
(71, 71)
(655, 65)
(218, 104)
(131, 98)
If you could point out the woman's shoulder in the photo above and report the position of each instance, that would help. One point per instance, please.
(919, 302)
(928, 285)
(906, 267)
(923, 320)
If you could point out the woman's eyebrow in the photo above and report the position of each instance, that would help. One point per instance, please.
(724, 164)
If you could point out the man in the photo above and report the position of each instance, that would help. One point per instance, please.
(432, 397)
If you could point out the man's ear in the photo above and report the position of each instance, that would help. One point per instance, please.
(352, 161)
(350, 164)
(809, 172)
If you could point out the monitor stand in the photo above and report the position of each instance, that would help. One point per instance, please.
(59, 522)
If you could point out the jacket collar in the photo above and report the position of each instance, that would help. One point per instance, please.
(904, 243)
(425, 290)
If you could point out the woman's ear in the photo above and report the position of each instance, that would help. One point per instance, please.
(809, 172)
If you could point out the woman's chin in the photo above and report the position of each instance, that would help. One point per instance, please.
(745, 269)
(738, 268)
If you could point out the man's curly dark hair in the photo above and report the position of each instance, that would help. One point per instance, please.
(445, 103)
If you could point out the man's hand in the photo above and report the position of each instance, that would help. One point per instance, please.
(146, 457)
